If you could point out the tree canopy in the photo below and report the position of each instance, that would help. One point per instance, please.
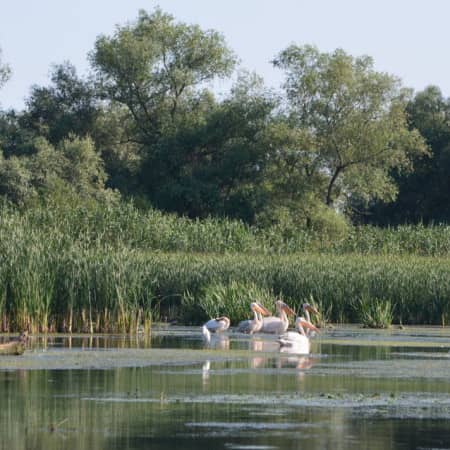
(424, 192)
(351, 123)
(340, 141)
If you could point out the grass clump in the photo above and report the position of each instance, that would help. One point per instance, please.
(374, 312)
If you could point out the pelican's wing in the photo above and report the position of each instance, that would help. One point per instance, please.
(272, 325)
(244, 326)
(292, 336)
(218, 324)
(213, 325)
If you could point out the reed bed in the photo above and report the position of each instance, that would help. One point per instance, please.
(124, 225)
(115, 269)
(125, 290)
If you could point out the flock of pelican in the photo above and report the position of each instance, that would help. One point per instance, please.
(298, 341)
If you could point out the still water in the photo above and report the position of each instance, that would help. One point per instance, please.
(358, 389)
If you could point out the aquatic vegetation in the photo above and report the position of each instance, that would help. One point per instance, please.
(232, 299)
(116, 269)
(323, 316)
(374, 313)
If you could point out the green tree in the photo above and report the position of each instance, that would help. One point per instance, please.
(5, 71)
(423, 193)
(180, 142)
(15, 138)
(74, 167)
(213, 163)
(350, 124)
(15, 180)
(69, 106)
(150, 65)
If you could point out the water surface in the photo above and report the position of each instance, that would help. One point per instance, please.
(358, 389)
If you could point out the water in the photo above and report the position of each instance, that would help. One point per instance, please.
(358, 389)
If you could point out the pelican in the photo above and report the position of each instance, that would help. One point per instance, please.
(218, 324)
(298, 341)
(254, 325)
(280, 324)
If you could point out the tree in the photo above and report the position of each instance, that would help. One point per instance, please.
(15, 180)
(157, 71)
(15, 139)
(5, 71)
(68, 106)
(350, 121)
(74, 167)
(150, 65)
(214, 162)
(423, 193)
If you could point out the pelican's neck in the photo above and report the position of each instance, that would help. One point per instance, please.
(283, 315)
(256, 316)
(308, 318)
(300, 329)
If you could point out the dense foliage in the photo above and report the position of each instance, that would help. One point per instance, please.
(337, 142)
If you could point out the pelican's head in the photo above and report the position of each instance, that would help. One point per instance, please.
(225, 320)
(301, 322)
(281, 306)
(255, 306)
(310, 308)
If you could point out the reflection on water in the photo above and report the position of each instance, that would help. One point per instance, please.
(218, 341)
(239, 392)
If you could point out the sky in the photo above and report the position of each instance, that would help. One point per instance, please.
(407, 38)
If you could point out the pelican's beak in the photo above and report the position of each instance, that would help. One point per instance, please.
(260, 308)
(288, 310)
(310, 326)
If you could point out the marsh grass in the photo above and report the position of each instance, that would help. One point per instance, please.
(323, 318)
(230, 299)
(82, 267)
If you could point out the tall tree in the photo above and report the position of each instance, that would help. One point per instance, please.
(157, 70)
(424, 194)
(150, 65)
(214, 163)
(351, 123)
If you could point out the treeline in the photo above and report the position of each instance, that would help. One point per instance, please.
(336, 144)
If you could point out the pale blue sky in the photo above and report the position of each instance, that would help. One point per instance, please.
(407, 38)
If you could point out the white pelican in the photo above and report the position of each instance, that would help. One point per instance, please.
(218, 324)
(280, 324)
(254, 325)
(298, 341)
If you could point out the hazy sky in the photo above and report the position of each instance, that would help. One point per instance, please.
(407, 38)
